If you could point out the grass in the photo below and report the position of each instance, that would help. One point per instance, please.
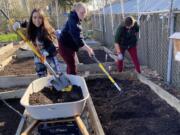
(9, 37)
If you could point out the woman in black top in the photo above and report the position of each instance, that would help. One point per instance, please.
(126, 39)
(42, 35)
(71, 38)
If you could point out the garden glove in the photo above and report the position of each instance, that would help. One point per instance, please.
(44, 53)
(16, 26)
(120, 56)
(57, 33)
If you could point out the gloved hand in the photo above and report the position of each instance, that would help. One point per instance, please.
(57, 33)
(16, 26)
(120, 56)
(44, 53)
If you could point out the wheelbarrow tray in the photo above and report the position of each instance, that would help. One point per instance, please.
(56, 110)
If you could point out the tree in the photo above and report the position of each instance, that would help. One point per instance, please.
(67, 4)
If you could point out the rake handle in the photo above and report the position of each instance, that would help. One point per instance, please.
(105, 71)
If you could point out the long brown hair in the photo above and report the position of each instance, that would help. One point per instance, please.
(46, 30)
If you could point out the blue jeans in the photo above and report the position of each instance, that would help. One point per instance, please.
(41, 69)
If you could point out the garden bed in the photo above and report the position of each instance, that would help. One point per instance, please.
(19, 67)
(99, 53)
(9, 120)
(136, 110)
(12, 88)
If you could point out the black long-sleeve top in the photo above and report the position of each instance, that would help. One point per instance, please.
(71, 35)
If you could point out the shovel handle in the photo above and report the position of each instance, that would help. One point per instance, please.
(4, 14)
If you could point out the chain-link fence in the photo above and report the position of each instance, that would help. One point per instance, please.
(153, 41)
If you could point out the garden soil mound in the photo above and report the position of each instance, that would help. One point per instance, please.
(100, 55)
(49, 95)
(135, 111)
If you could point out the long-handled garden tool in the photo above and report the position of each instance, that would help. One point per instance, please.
(60, 81)
(105, 71)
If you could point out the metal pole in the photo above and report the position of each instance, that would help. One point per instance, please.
(112, 21)
(104, 19)
(94, 15)
(137, 2)
(27, 6)
(138, 20)
(122, 8)
(57, 13)
(170, 51)
(99, 7)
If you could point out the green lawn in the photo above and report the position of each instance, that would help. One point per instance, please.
(9, 37)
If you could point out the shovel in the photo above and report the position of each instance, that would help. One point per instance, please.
(59, 81)
(105, 71)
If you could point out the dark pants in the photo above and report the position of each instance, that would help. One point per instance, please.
(69, 58)
(133, 53)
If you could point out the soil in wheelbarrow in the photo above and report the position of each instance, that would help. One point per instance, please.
(9, 120)
(135, 111)
(19, 67)
(49, 95)
(100, 55)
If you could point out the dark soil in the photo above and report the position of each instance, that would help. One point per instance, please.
(59, 128)
(50, 95)
(100, 55)
(9, 120)
(135, 111)
(19, 67)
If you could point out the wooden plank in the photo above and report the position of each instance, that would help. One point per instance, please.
(15, 81)
(56, 121)
(94, 118)
(169, 98)
(5, 62)
(12, 94)
(30, 127)
(6, 48)
(95, 68)
(123, 75)
(24, 54)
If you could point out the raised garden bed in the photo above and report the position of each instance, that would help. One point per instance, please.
(136, 110)
(12, 88)
(19, 67)
(99, 53)
(9, 120)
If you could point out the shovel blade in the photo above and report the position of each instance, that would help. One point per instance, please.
(60, 82)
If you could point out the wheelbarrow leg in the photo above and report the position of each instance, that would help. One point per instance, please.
(81, 125)
(30, 127)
